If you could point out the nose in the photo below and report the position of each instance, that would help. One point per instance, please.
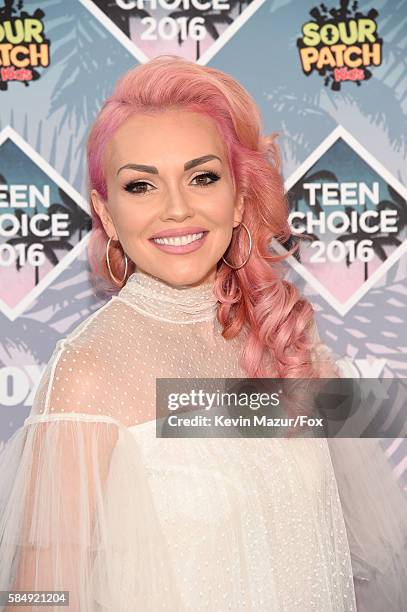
(176, 206)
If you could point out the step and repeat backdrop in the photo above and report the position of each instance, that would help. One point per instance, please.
(330, 77)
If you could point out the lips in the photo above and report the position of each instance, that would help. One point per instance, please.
(183, 231)
(181, 249)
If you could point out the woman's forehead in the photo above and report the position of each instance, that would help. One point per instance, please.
(181, 135)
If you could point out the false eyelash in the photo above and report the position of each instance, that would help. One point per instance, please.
(129, 186)
(214, 176)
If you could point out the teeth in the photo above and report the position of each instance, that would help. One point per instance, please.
(179, 240)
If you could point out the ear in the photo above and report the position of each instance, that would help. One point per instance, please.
(100, 205)
(239, 210)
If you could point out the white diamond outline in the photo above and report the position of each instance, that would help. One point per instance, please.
(143, 58)
(341, 132)
(14, 313)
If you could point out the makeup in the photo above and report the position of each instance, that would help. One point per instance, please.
(179, 249)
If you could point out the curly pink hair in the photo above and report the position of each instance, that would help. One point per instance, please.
(277, 321)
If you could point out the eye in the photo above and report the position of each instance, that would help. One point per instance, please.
(129, 187)
(140, 187)
(207, 175)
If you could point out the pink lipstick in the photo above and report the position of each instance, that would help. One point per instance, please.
(177, 249)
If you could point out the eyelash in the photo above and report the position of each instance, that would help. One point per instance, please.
(214, 176)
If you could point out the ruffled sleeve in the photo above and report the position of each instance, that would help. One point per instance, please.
(375, 511)
(63, 524)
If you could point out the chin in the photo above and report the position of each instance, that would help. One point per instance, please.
(186, 277)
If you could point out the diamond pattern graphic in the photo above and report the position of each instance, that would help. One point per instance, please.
(193, 29)
(44, 224)
(354, 213)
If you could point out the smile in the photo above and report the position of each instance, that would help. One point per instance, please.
(180, 244)
(177, 240)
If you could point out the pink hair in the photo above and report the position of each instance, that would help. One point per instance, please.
(277, 321)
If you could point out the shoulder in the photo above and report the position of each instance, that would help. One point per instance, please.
(96, 369)
(329, 362)
(94, 322)
(112, 324)
(79, 373)
(72, 382)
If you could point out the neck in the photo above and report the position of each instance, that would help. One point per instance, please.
(158, 299)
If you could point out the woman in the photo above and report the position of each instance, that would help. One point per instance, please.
(94, 502)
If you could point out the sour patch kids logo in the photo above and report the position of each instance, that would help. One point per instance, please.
(340, 44)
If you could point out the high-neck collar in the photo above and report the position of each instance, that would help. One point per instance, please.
(157, 299)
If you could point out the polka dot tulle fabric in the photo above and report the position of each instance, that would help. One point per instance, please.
(95, 504)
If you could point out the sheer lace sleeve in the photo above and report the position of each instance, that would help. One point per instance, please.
(374, 508)
(61, 527)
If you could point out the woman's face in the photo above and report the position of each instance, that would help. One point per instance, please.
(169, 172)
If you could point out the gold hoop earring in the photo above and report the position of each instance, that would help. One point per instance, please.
(117, 281)
(250, 250)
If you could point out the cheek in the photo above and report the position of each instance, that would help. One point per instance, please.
(221, 205)
(223, 215)
(131, 217)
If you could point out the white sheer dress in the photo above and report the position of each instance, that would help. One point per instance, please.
(92, 502)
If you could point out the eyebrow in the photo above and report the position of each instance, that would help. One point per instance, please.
(187, 166)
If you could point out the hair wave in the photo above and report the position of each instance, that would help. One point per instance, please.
(256, 300)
